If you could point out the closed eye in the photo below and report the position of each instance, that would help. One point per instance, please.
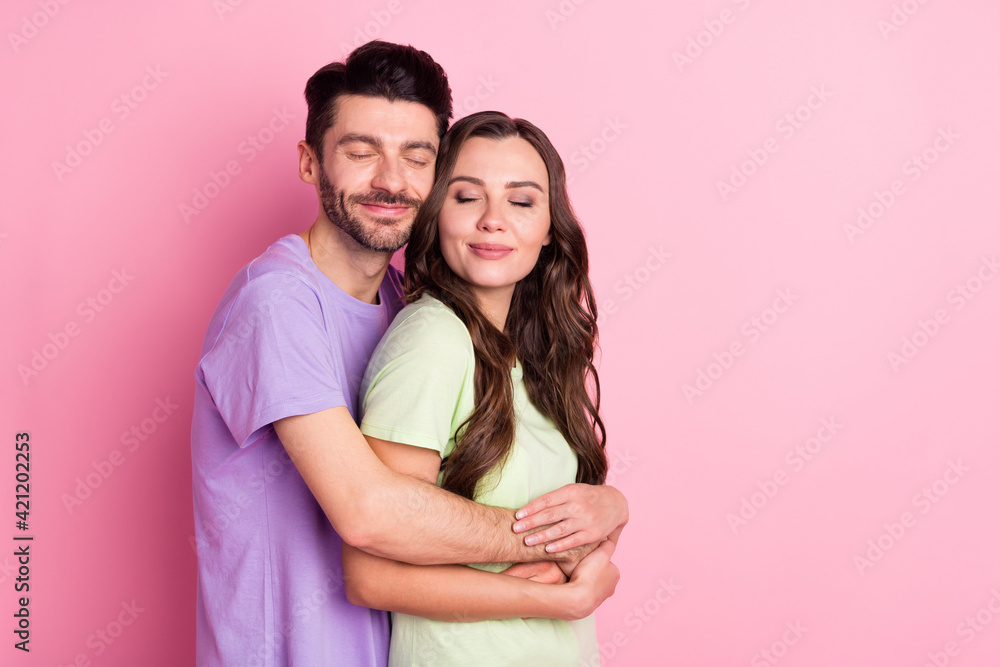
(417, 162)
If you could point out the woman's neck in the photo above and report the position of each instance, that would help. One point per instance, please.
(495, 303)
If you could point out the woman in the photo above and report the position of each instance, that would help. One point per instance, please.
(481, 385)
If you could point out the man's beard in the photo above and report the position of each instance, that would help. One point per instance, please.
(381, 235)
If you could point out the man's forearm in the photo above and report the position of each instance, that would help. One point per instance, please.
(392, 514)
(417, 522)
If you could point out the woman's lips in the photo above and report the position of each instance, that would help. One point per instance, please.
(490, 250)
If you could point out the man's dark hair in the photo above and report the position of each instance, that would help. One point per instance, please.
(376, 69)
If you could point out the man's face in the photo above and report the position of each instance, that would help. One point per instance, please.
(378, 166)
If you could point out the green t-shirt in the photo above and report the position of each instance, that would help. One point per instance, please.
(418, 390)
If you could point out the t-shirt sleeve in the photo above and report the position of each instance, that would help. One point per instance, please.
(272, 357)
(419, 385)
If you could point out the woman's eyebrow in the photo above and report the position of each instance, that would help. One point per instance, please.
(468, 179)
(510, 185)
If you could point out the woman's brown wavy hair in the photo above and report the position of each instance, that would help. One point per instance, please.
(551, 326)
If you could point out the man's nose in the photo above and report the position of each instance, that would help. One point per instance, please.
(389, 177)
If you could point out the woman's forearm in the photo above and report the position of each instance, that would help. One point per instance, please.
(454, 593)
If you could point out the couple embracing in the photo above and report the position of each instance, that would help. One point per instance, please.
(470, 501)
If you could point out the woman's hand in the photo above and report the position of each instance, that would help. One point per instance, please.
(543, 571)
(578, 513)
(594, 580)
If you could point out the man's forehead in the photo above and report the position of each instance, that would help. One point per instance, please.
(390, 122)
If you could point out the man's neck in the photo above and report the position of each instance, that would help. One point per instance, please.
(354, 269)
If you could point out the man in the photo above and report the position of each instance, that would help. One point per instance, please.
(281, 471)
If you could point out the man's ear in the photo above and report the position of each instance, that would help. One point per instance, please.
(309, 166)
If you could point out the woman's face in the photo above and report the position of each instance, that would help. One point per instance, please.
(495, 218)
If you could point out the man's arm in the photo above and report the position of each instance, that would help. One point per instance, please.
(459, 593)
(394, 515)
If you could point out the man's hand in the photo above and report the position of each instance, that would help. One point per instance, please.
(568, 560)
(579, 514)
(544, 572)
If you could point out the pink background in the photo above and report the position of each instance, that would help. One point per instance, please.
(881, 548)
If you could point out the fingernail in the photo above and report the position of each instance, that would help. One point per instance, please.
(530, 540)
(519, 514)
(518, 527)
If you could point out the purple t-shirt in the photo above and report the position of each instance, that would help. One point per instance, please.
(284, 341)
